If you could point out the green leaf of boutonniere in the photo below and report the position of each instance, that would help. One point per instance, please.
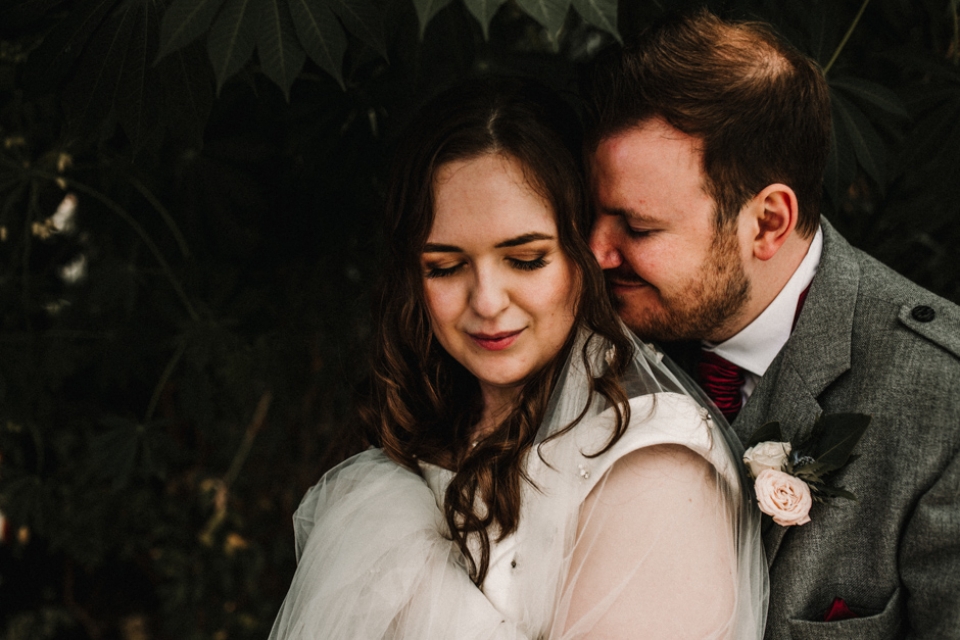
(827, 449)
(840, 432)
(769, 432)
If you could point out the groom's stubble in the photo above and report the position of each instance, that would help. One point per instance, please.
(696, 312)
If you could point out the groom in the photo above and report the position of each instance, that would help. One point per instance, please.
(706, 143)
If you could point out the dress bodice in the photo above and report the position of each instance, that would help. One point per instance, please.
(527, 567)
(375, 559)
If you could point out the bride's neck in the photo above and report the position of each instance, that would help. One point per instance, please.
(498, 402)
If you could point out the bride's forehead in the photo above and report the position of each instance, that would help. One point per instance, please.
(489, 198)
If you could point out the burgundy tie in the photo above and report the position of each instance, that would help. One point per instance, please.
(721, 379)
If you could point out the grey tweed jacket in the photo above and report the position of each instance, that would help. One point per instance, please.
(870, 341)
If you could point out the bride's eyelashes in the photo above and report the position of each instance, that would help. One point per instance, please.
(433, 270)
(528, 265)
(436, 271)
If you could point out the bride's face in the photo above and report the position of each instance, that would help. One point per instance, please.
(500, 291)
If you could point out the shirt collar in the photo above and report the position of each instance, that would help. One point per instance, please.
(757, 344)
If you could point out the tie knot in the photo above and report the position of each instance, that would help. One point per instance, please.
(722, 380)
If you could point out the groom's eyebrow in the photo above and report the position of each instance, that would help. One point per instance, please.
(630, 215)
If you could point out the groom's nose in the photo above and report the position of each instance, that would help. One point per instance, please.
(603, 242)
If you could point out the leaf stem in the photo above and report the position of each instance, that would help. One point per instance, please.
(221, 486)
(164, 377)
(843, 43)
(164, 213)
(256, 423)
(955, 45)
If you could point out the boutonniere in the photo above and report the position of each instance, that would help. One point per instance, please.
(789, 478)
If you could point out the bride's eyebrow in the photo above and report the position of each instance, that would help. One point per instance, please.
(433, 247)
(524, 239)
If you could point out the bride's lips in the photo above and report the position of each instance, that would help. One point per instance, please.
(495, 341)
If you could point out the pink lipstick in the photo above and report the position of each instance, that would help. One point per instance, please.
(495, 341)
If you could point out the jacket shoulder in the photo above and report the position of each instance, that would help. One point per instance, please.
(924, 313)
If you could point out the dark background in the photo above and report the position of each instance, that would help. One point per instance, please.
(176, 359)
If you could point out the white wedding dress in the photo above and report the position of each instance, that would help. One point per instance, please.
(650, 539)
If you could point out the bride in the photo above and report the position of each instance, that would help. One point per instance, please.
(539, 473)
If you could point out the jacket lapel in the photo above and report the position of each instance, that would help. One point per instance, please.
(817, 353)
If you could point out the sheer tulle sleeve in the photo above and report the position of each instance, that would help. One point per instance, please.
(373, 563)
(661, 542)
(654, 556)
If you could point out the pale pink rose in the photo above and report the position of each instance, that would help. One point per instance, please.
(784, 497)
(766, 455)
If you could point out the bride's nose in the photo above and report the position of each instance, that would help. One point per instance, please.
(489, 295)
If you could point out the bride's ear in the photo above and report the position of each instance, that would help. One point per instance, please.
(773, 215)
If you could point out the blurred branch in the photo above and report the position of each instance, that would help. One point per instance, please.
(164, 377)
(843, 43)
(32, 209)
(82, 615)
(222, 486)
(954, 53)
(256, 423)
(167, 218)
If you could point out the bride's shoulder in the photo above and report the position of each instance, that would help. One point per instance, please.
(659, 423)
(656, 418)
(367, 491)
(368, 478)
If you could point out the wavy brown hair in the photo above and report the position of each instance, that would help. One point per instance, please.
(760, 107)
(422, 404)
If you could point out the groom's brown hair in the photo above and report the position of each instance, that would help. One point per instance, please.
(759, 106)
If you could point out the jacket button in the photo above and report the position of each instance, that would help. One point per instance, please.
(923, 313)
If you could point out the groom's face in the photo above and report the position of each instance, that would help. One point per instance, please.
(672, 275)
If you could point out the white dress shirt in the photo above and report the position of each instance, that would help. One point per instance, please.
(757, 344)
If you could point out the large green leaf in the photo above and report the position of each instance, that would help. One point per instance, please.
(841, 168)
(871, 93)
(138, 100)
(281, 56)
(364, 19)
(869, 149)
(232, 38)
(600, 13)
(184, 21)
(187, 82)
(483, 11)
(16, 13)
(426, 9)
(90, 96)
(935, 130)
(52, 61)
(550, 13)
(320, 34)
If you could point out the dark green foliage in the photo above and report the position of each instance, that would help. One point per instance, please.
(162, 413)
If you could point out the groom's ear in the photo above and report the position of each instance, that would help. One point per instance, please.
(773, 217)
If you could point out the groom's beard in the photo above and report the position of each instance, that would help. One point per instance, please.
(699, 309)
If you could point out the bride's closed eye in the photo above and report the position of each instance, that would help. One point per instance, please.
(528, 265)
(433, 270)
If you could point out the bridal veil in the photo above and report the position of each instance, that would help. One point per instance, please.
(638, 541)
